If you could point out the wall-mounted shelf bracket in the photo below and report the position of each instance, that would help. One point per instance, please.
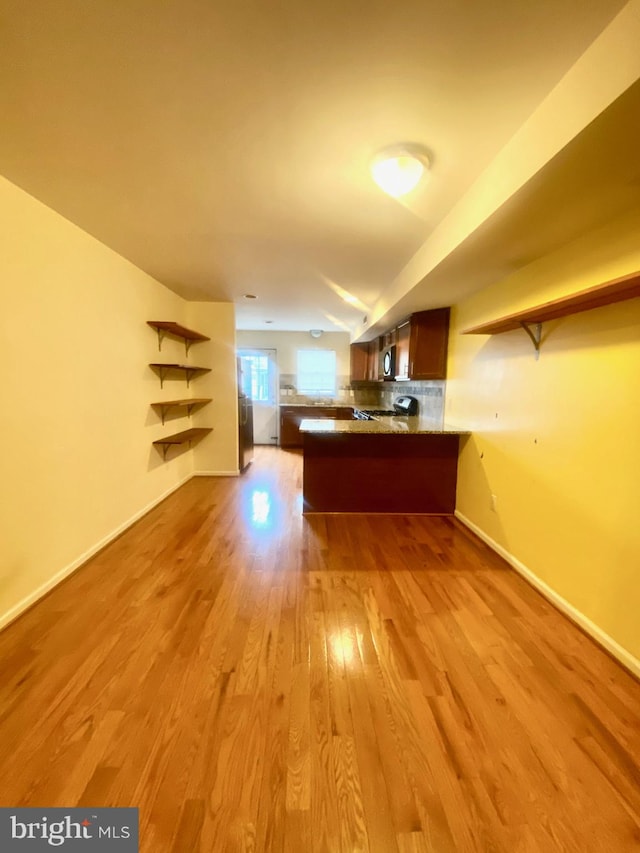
(188, 436)
(189, 370)
(162, 335)
(531, 320)
(162, 372)
(534, 330)
(189, 404)
(164, 328)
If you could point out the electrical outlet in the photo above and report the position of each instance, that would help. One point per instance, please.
(494, 503)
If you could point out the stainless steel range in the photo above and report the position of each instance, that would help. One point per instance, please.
(403, 407)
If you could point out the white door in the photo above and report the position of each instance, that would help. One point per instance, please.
(259, 379)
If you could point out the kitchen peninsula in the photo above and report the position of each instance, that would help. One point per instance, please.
(388, 465)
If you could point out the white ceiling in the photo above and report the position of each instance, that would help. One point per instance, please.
(224, 147)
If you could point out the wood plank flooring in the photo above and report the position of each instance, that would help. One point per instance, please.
(254, 680)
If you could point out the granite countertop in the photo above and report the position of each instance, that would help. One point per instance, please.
(380, 426)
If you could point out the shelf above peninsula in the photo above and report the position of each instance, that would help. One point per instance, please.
(616, 290)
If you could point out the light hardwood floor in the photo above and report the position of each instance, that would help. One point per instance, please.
(255, 680)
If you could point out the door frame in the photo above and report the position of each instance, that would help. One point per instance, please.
(272, 381)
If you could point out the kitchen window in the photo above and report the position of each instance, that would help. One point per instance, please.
(316, 370)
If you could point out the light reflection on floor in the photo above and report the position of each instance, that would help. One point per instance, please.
(341, 645)
(267, 510)
(260, 508)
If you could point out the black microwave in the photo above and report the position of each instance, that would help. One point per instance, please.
(389, 362)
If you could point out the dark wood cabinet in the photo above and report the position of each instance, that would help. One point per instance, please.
(359, 362)
(375, 369)
(421, 345)
(291, 416)
(365, 361)
(362, 472)
(421, 349)
(388, 339)
(428, 344)
(403, 334)
(289, 427)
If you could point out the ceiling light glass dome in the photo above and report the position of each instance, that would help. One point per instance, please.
(398, 170)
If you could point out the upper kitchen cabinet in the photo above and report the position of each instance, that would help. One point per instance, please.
(365, 358)
(375, 368)
(420, 349)
(403, 335)
(421, 345)
(359, 361)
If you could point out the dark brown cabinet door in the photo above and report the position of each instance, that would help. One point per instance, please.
(374, 360)
(421, 349)
(359, 362)
(291, 416)
(403, 334)
(289, 432)
(428, 342)
(344, 413)
(365, 361)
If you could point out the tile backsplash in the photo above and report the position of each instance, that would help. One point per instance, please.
(378, 395)
(429, 394)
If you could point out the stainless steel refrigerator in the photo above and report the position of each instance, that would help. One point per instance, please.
(245, 430)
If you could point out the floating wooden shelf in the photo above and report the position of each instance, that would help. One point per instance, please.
(617, 290)
(188, 403)
(187, 436)
(189, 370)
(164, 328)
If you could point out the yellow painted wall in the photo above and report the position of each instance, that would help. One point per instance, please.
(76, 460)
(218, 453)
(556, 440)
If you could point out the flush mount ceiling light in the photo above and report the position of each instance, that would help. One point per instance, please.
(315, 333)
(398, 170)
(250, 296)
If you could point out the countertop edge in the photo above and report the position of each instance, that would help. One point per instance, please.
(384, 426)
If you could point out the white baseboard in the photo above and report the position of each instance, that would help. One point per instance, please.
(615, 649)
(216, 473)
(21, 606)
